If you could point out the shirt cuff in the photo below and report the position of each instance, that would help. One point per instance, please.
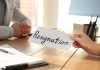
(11, 32)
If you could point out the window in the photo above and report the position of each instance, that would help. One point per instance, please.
(35, 10)
(65, 20)
(28, 7)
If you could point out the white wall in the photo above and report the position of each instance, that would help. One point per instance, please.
(47, 13)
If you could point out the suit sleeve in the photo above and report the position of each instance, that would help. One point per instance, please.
(18, 16)
(6, 32)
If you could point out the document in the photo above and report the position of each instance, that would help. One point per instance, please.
(51, 38)
(11, 59)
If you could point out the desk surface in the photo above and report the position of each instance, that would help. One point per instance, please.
(58, 59)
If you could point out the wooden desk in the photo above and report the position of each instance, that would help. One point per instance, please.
(58, 59)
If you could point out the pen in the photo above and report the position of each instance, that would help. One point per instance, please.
(93, 30)
(5, 51)
(22, 66)
(89, 26)
(30, 34)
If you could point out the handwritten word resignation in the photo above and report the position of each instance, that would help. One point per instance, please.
(44, 39)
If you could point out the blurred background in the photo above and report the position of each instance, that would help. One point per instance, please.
(52, 14)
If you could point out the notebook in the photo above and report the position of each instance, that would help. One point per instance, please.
(12, 59)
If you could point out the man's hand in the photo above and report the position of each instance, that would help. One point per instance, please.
(21, 29)
(25, 29)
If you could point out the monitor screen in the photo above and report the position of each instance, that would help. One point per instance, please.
(85, 7)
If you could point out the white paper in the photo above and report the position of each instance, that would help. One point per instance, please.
(51, 38)
(7, 59)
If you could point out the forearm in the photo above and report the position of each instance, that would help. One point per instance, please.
(18, 16)
(6, 32)
(97, 49)
(93, 49)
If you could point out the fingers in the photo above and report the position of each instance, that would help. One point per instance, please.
(75, 44)
(25, 29)
(23, 24)
(21, 29)
(24, 35)
(77, 39)
(25, 32)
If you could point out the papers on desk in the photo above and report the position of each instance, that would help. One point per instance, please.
(11, 59)
(51, 38)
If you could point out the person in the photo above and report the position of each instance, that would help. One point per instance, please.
(9, 12)
(83, 41)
